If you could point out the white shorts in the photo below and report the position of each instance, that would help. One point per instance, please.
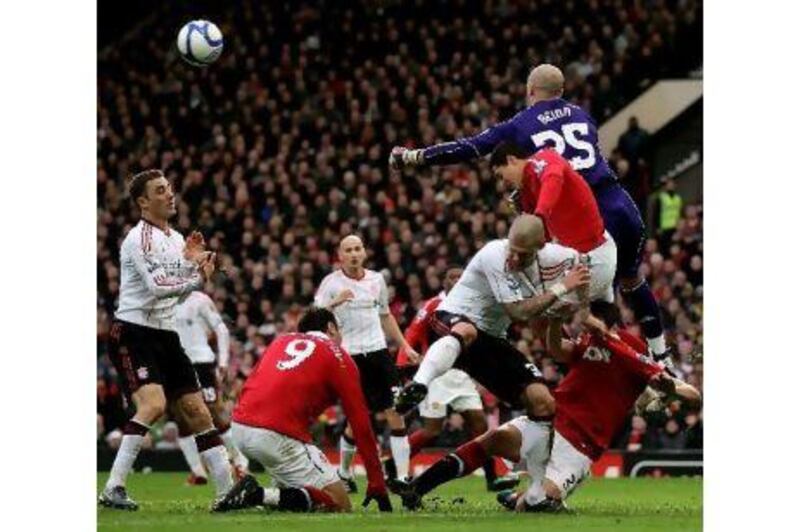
(454, 388)
(603, 268)
(562, 464)
(289, 462)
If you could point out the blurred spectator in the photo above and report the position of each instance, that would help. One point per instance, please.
(169, 437)
(671, 437)
(633, 144)
(667, 212)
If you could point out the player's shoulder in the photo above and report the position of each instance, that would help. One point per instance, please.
(493, 247)
(139, 235)
(330, 279)
(491, 254)
(374, 276)
(201, 298)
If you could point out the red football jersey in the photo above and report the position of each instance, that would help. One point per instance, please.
(419, 330)
(297, 378)
(606, 377)
(552, 190)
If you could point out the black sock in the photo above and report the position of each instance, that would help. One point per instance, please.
(488, 470)
(294, 500)
(645, 308)
(442, 471)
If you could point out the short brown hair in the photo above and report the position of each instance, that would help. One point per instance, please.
(137, 184)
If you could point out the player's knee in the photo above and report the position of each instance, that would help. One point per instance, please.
(477, 423)
(539, 401)
(499, 442)
(151, 407)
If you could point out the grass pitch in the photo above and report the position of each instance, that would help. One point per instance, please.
(463, 505)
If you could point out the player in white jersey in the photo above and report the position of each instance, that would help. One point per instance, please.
(197, 318)
(507, 280)
(359, 299)
(158, 268)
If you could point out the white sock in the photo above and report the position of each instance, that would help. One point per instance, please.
(189, 448)
(218, 466)
(439, 358)
(657, 345)
(401, 453)
(123, 462)
(238, 458)
(347, 451)
(272, 496)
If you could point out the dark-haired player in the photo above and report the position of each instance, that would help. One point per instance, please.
(549, 120)
(158, 269)
(296, 379)
(607, 372)
(550, 189)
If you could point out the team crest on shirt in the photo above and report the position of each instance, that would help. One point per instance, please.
(539, 166)
(142, 373)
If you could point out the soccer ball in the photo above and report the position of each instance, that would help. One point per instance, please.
(200, 42)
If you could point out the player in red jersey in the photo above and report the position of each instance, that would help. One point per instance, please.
(551, 189)
(455, 389)
(297, 378)
(607, 374)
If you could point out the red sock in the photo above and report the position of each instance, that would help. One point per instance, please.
(321, 500)
(472, 456)
(419, 439)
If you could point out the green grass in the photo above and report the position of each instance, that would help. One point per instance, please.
(599, 504)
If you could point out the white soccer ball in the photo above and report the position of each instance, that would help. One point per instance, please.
(200, 42)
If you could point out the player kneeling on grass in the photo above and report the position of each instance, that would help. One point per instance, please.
(607, 373)
(297, 378)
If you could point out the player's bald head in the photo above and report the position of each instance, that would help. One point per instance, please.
(350, 240)
(527, 232)
(545, 81)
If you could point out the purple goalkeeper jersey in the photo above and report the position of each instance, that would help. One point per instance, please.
(556, 123)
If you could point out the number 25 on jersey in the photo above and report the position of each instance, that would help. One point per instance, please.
(297, 351)
(585, 156)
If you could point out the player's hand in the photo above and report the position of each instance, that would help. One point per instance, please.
(412, 355)
(207, 265)
(663, 383)
(402, 157)
(381, 496)
(344, 295)
(577, 278)
(195, 247)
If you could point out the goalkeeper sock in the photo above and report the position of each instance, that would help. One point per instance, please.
(645, 308)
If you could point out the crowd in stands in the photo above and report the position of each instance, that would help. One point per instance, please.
(281, 148)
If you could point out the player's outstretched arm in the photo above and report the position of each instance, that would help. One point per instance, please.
(346, 382)
(676, 388)
(458, 151)
(532, 307)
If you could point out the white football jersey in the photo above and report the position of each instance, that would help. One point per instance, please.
(486, 284)
(360, 318)
(154, 276)
(196, 318)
